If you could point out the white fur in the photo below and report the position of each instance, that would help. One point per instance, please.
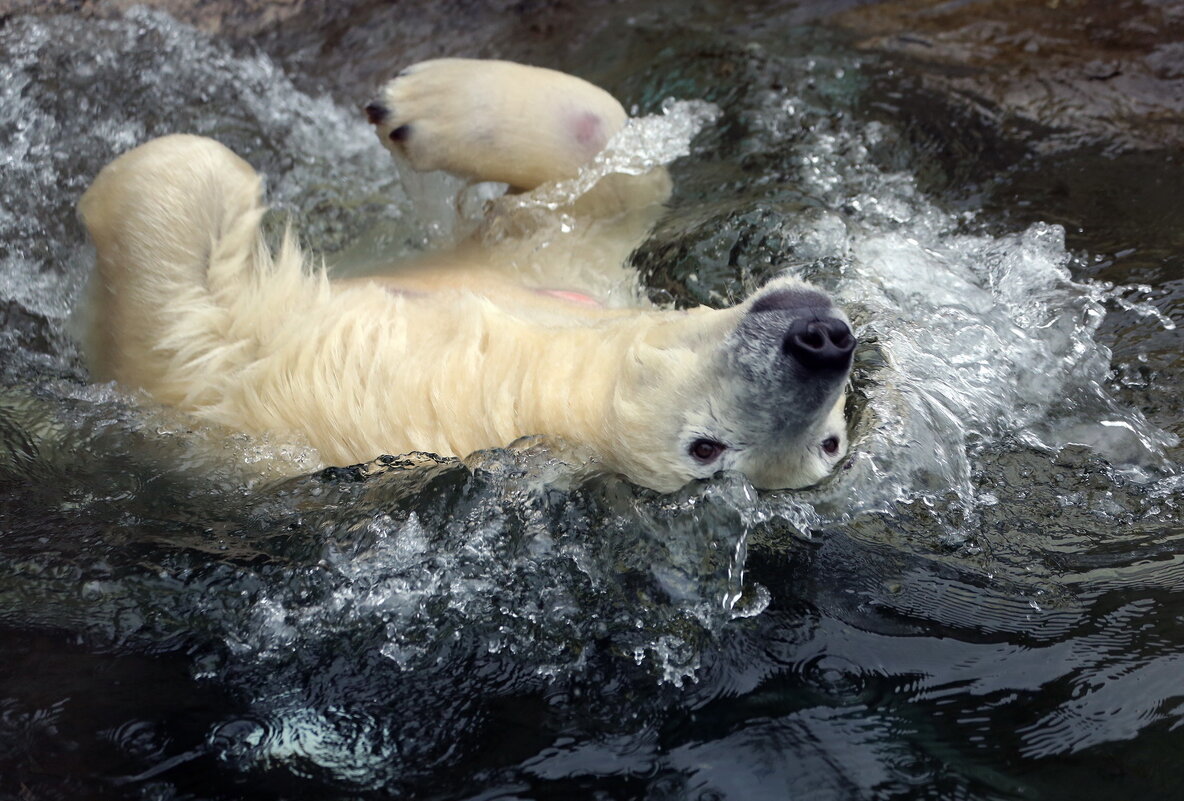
(455, 352)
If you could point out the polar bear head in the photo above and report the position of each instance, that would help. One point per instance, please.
(758, 389)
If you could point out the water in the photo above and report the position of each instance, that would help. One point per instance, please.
(986, 604)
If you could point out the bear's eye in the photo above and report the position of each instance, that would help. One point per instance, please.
(830, 445)
(706, 451)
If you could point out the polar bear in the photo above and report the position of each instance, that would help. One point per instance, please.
(513, 331)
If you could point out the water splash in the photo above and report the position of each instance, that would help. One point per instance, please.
(972, 341)
(76, 93)
(368, 621)
(642, 145)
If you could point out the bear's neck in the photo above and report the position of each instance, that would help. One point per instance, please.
(557, 381)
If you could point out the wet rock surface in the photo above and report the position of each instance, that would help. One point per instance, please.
(229, 17)
(1057, 74)
(350, 47)
(1060, 74)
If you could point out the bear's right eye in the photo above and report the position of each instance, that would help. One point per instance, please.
(706, 451)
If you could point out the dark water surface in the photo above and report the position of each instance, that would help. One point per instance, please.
(989, 604)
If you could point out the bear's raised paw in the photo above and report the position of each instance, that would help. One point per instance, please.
(494, 120)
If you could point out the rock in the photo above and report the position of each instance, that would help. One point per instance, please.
(1059, 74)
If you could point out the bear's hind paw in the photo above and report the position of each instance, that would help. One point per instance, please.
(494, 120)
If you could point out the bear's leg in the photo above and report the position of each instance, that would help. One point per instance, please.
(495, 120)
(524, 126)
(175, 224)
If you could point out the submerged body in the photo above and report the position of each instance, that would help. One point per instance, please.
(507, 334)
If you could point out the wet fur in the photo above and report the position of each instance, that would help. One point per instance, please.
(451, 353)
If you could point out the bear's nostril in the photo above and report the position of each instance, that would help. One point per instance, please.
(813, 340)
(820, 345)
(377, 113)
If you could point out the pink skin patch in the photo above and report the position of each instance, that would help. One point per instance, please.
(573, 297)
(588, 130)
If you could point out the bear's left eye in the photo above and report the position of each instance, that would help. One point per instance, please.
(830, 445)
(706, 451)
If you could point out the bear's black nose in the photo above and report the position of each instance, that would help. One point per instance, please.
(821, 345)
